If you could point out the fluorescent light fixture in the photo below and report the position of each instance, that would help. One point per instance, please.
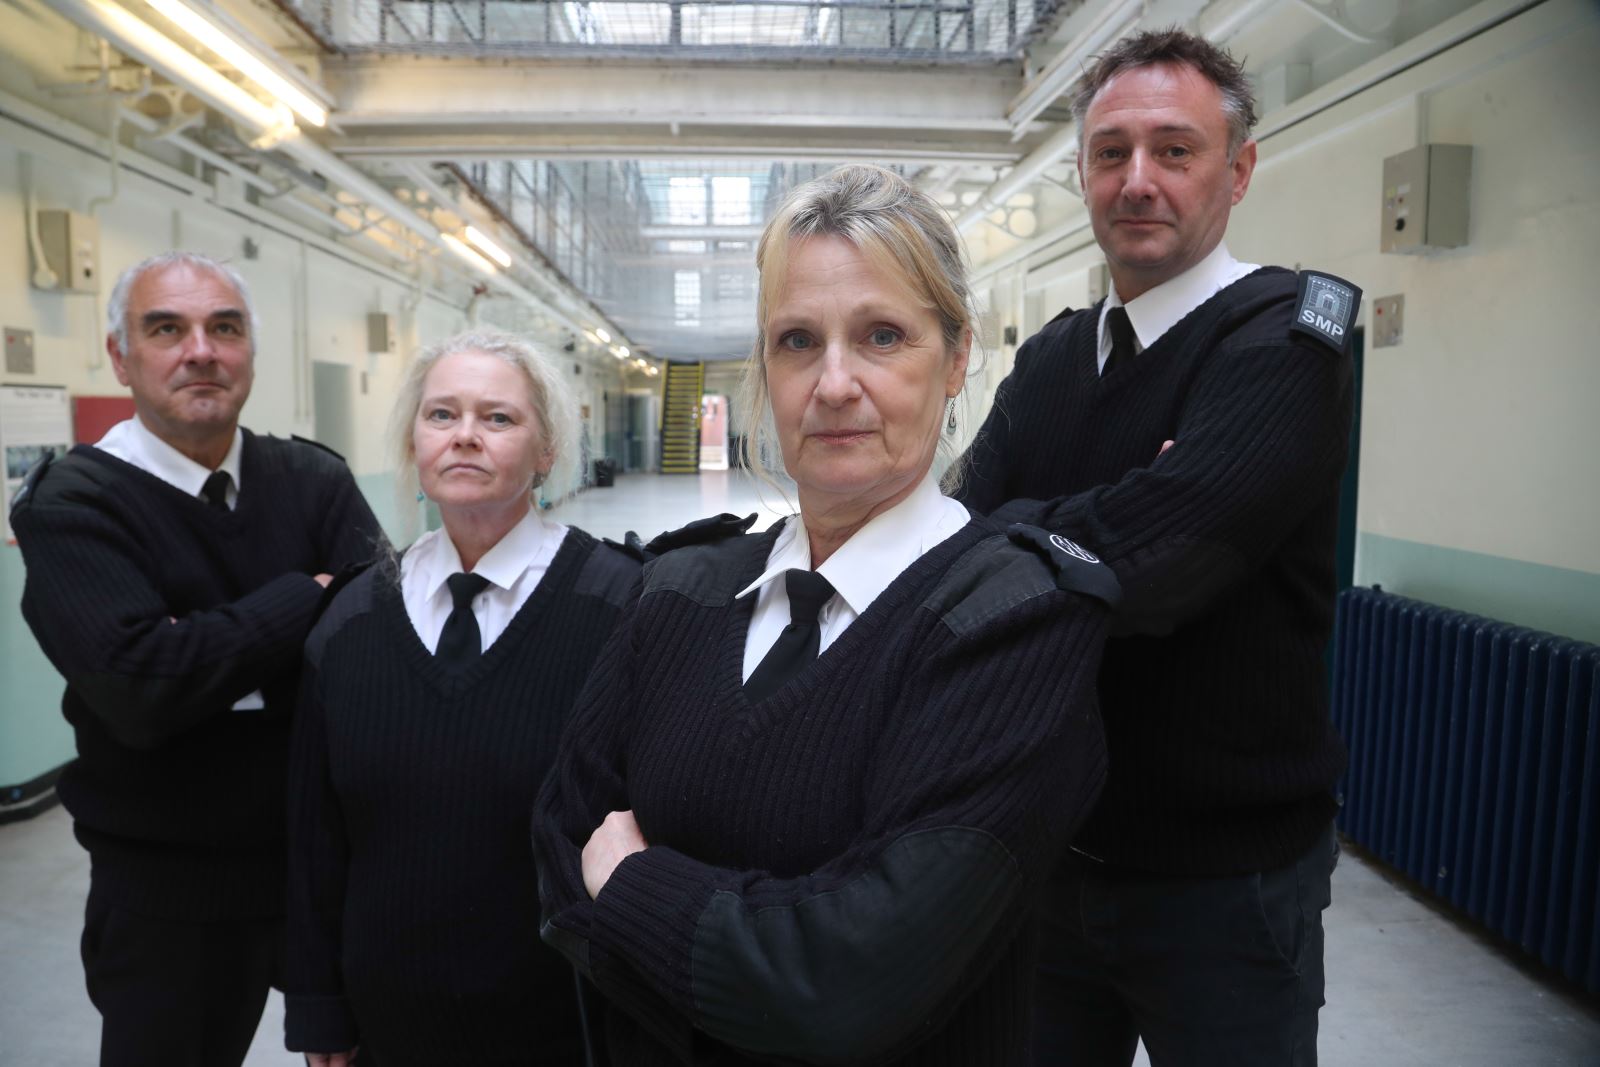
(605, 338)
(619, 353)
(622, 350)
(459, 247)
(488, 247)
(160, 51)
(197, 25)
(593, 337)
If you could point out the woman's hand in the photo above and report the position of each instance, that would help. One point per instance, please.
(612, 842)
(331, 1059)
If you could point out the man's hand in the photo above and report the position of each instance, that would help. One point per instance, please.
(612, 842)
(324, 579)
(331, 1059)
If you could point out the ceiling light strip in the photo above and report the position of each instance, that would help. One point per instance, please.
(197, 25)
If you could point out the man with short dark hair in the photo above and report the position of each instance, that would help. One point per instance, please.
(1190, 430)
(173, 572)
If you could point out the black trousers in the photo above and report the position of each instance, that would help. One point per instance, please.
(176, 993)
(1208, 971)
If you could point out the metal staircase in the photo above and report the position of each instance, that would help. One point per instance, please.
(680, 418)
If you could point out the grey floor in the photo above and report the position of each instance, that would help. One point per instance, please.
(1406, 984)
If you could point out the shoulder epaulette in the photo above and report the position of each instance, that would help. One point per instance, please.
(318, 444)
(1077, 569)
(699, 532)
(1325, 309)
(630, 546)
(342, 579)
(31, 479)
(348, 596)
(612, 570)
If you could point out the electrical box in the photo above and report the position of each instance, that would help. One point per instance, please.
(380, 332)
(1426, 193)
(71, 245)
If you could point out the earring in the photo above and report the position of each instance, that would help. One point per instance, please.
(950, 423)
(421, 496)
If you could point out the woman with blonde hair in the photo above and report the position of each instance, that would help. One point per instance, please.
(434, 692)
(809, 794)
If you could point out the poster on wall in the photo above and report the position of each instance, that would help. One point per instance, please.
(34, 420)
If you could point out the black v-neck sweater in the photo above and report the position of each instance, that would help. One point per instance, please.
(413, 925)
(161, 612)
(1222, 755)
(842, 871)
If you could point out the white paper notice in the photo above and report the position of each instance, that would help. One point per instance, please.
(34, 420)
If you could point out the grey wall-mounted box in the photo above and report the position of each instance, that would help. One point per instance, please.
(1426, 194)
(71, 244)
(380, 332)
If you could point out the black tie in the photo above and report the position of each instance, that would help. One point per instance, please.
(215, 490)
(800, 640)
(1123, 339)
(461, 642)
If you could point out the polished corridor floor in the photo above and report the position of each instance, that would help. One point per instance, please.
(1407, 985)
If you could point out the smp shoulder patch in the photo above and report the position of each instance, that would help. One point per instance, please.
(1077, 569)
(1326, 309)
(699, 532)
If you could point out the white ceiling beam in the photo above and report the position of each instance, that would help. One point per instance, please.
(700, 233)
(1088, 29)
(489, 94)
(885, 146)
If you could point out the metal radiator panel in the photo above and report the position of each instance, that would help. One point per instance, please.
(1475, 767)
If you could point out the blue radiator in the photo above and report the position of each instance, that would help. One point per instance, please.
(1475, 767)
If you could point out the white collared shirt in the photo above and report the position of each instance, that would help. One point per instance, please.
(132, 442)
(1155, 312)
(859, 570)
(513, 566)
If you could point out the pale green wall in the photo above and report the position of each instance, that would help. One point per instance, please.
(34, 738)
(1558, 599)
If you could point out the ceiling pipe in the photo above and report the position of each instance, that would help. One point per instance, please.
(1222, 20)
(1099, 27)
(1059, 145)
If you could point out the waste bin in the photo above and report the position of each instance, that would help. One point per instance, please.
(605, 473)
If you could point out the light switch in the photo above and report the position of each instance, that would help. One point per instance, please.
(1388, 320)
(19, 351)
